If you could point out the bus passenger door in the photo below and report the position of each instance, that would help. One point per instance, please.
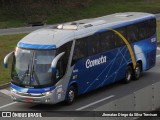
(81, 74)
(62, 78)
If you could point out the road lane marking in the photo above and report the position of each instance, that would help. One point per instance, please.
(158, 48)
(12, 103)
(157, 56)
(93, 103)
(6, 92)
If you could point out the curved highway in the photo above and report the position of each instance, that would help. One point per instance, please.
(30, 29)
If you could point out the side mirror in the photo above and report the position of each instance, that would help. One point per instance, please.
(6, 59)
(55, 60)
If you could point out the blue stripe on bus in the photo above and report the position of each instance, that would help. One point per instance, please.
(32, 90)
(35, 46)
(114, 68)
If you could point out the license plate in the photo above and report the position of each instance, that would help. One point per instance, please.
(29, 100)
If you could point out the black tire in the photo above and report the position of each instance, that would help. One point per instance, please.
(128, 74)
(71, 95)
(137, 71)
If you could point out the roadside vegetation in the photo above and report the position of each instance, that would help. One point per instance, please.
(7, 44)
(15, 13)
(158, 31)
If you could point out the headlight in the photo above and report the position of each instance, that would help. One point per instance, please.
(13, 90)
(47, 93)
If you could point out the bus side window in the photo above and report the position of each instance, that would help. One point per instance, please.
(118, 40)
(63, 62)
(132, 33)
(152, 27)
(107, 41)
(13, 71)
(80, 50)
(93, 44)
(143, 30)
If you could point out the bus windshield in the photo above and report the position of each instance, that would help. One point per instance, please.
(32, 68)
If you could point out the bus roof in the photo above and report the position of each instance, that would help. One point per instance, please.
(53, 37)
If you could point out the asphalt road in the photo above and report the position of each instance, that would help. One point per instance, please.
(89, 101)
(30, 29)
(21, 30)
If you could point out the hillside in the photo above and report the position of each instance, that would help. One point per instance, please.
(15, 13)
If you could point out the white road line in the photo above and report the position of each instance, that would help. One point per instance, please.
(158, 56)
(93, 103)
(7, 105)
(158, 48)
(6, 92)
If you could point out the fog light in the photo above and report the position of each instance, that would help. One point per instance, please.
(13, 98)
(47, 100)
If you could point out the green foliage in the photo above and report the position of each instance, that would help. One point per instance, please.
(158, 31)
(7, 44)
(14, 13)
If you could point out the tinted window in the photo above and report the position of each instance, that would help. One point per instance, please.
(110, 40)
(143, 30)
(80, 49)
(107, 40)
(132, 33)
(152, 27)
(93, 44)
(63, 62)
(118, 40)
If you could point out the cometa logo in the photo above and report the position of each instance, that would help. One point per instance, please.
(92, 63)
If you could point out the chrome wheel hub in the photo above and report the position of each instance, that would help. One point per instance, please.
(128, 75)
(137, 71)
(71, 95)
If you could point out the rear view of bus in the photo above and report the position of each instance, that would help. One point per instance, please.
(57, 64)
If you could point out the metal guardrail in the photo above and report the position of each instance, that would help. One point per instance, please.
(146, 99)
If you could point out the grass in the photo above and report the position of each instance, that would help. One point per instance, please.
(158, 31)
(12, 17)
(7, 44)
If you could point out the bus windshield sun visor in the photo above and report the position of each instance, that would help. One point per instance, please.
(35, 46)
(6, 59)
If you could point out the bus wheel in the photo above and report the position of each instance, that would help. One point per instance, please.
(128, 74)
(137, 71)
(71, 95)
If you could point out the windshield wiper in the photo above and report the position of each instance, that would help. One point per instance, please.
(26, 73)
(33, 74)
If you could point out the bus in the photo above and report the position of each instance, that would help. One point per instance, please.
(58, 63)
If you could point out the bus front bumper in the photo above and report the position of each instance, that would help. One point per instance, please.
(33, 98)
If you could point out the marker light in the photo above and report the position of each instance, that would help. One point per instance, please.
(13, 90)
